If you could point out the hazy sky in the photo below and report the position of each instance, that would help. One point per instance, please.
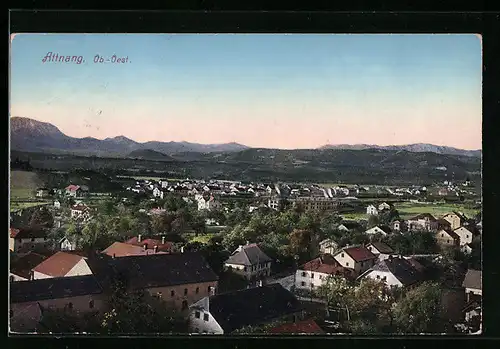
(263, 90)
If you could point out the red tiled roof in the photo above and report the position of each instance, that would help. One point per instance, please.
(150, 243)
(59, 264)
(14, 232)
(306, 326)
(121, 249)
(323, 264)
(72, 187)
(359, 253)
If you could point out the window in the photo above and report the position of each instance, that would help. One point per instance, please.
(342, 255)
(205, 317)
(197, 315)
(346, 264)
(442, 235)
(244, 268)
(70, 305)
(467, 236)
(32, 239)
(304, 273)
(378, 276)
(91, 304)
(197, 290)
(172, 293)
(362, 264)
(447, 241)
(184, 305)
(312, 285)
(302, 283)
(185, 292)
(159, 295)
(312, 275)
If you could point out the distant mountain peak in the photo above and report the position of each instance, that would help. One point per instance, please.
(415, 147)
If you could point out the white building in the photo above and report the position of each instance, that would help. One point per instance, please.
(394, 272)
(371, 210)
(314, 273)
(249, 261)
(328, 246)
(464, 234)
(357, 258)
(157, 193)
(473, 284)
(379, 230)
(57, 204)
(381, 250)
(207, 203)
(228, 312)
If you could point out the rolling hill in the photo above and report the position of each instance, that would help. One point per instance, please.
(148, 154)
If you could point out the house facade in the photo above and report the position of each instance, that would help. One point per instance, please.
(314, 273)
(27, 239)
(455, 219)
(447, 238)
(394, 272)
(371, 210)
(465, 235)
(380, 250)
(378, 230)
(328, 246)
(249, 261)
(67, 244)
(473, 285)
(357, 258)
(424, 221)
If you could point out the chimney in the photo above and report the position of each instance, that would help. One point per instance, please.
(114, 256)
(145, 247)
(139, 238)
(260, 283)
(163, 240)
(212, 290)
(182, 249)
(156, 249)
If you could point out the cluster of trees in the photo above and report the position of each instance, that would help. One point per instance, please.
(369, 307)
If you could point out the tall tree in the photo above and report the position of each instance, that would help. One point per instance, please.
(42, 217)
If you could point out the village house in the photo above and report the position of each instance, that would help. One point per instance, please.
(371, 210)
(314, 273)
(443, 224)
(465, 235)
(308, 326)
(29, 239)
(21, 269)
(447, 238)
(397, 226)
(381, 250)
(151, 244)
(456, 219)
(394, 272)
(42, 192)
(177, 279)
(349, 226)
(423, 221)
(122, 249)
(473, 285)
(328, 246)
(273, 203)
(319, 203)
(379, 230)
(228, 312)
(384, 206)
(357, 258)
(57, 204)
(207, 203)
(157, 193)
(29, 299)
(62, 264)
(73, 190)
(80, 211)
(68, 244)
(466, 249)
(249, 261)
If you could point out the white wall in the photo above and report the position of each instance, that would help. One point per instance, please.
(15, 277)
(199, 325)
(315, 278)
(474, 291)
(379, 275)
(240, 269)
(465, 235)
(81, 268)
(346, 261)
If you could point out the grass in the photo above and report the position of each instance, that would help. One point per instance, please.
(354, 216)
(201, 238)
(407, 210)
(21, 194)
(15, 205)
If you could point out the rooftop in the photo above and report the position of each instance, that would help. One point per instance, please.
(323, 264)
(381, 247)
(22, 266)
(122, 249)
(473, 279)
(359, 253)
(248, 255)
(401, 268)
(59, 264)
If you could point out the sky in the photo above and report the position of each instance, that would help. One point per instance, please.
(262, 90)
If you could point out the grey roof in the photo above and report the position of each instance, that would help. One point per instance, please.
(249, 255)
(473, 279)
(153, 270)
(402, 269)
(252, 306)
(53, 288)
(382, 248)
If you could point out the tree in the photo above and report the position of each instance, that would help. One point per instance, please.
(419, 310)
(162, 223)
(42, 217)
(136, 312)
(67, 321)
(372, 221)
(300, 241)
(388, 216)
(337, 293)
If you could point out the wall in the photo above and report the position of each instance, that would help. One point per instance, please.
(444, 239)
(311, 277)
(21, 245)
(465, 236)
(390, 278)
(454, 220)
(248, 273)
(27, 315)
(16, 277)
(81, 268)
(175, 302)
(199, 325)
(346, 261)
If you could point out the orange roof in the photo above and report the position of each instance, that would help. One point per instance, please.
(306, 326)
(121, 249)
(150, 243)
(323, 264)
(59, 264)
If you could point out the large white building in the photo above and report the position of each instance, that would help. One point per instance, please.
(314, 273)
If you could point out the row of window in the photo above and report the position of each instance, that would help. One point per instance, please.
(303, 284)
(172, 293)
(68, 306)
(32, 239)
(304, 274)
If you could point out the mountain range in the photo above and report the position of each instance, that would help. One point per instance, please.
(34, 136)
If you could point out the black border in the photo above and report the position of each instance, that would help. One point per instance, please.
(486, 24)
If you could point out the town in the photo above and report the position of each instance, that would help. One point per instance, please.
(98, 253)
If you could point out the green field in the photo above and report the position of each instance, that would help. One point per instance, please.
(201, 238)
(22, 190)
(407, 210)
(354, 216)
